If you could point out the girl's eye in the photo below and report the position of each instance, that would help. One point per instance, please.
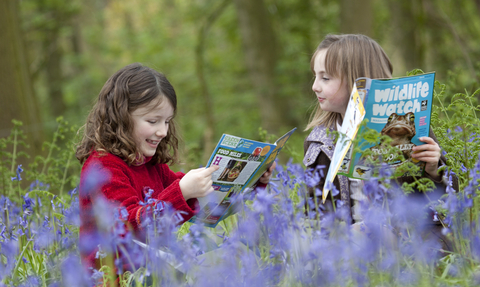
(152, 122)
(325, 79)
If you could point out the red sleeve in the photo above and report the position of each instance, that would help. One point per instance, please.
(173, 191)
(125, 188)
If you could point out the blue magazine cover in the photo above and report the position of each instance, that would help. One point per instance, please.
(242, 162)
(399, 108)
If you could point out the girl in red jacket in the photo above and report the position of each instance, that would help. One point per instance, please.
(129, 138)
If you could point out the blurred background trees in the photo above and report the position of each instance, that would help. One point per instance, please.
(237, 66)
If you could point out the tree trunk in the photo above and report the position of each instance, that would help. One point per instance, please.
(53, 56)
(408, 26)
(209, 132)
(356, 17)
(16, 92)
(259, 42)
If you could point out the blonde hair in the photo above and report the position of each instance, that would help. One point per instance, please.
(348, 57)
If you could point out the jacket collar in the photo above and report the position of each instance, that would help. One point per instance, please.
(319, 134)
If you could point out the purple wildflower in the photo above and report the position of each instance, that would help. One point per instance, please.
(18, 171)
(73, 273)
(95, 177)
(314, 175)
(73, 192)
(38, 185)
(97, 276)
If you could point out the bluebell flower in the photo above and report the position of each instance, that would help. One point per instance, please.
(18, 171)
(314, 175)
(408, 278)
(36, 184)
(9, 251)
(73, 192)
(95, 177)
(123, 213)
(97, 276)
(44, 238)
(264, 201)
(28, 203)
(46, 222)
(333, 189)
(20, 232)
(385, 171)
(179, 216)
(31, 281)
(73, 273)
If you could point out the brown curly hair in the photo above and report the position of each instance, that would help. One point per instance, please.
(109, 125)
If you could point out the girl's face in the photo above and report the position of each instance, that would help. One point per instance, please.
(332, 94)
(150, 126)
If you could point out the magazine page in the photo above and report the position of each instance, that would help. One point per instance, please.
(242, 162)
(353, 118)
(399, 108)
(363, 86)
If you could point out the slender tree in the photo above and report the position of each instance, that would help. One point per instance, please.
(200, 71)
(408, 32)
(261, 55)
(16, 92)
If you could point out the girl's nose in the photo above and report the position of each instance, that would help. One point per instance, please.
(316, 87)
(162, 131)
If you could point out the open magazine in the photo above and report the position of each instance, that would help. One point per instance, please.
(242, 162)
(399, 108)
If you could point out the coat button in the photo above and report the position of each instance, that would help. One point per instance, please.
(329, 147)
(308, 160)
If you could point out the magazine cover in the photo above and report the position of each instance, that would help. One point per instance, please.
(242, 162)
(353, 118)
(399, 108)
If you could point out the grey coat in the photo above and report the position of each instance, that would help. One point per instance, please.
(318, 150)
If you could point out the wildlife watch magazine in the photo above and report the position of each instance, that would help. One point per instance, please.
(399, 108)
(242, 162)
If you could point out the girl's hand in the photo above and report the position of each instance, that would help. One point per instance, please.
(268, 174)
(429, 153)
(197, 182)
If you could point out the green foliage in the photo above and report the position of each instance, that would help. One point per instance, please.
(59, 168)
(50, 176)
(9, 159)
(457, 127)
